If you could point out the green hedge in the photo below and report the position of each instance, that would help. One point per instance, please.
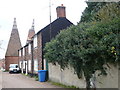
(87, 47)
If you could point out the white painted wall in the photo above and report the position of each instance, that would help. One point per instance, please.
(68, 77)
(109, 81)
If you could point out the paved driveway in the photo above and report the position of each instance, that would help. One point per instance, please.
(21, 81)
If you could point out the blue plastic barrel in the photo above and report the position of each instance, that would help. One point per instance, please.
(42, 75)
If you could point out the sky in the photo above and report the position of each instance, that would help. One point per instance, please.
(26, 10)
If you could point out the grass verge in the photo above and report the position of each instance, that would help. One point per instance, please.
(61, 85)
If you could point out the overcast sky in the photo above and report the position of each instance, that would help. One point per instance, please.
(27, 10)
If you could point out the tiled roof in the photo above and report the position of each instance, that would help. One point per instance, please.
(31, 33)
(57, 25)
(14, 42)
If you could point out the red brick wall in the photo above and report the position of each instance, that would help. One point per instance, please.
(26, 53)
(10, 60)
(35, 53)
(39, 52)
(61, 11)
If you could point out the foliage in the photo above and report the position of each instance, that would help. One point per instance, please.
(100, 11)
(86, 47)
(108, 12)
(89, 46)
(36, 77)
(89, 12)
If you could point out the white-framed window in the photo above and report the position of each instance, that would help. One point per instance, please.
(24, 64)
(19, 53)
(35, 41)
(20, 64)
(29, 48)
(29, 65)
(35, 65)
(23, 52)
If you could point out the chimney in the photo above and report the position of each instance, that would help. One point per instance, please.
(61, 11)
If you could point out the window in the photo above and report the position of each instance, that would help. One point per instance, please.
(29, 65)
(20, 64)
(36, 65)
(35, 41)
(23, 51)
(29, 48)
(19, 53)
(24, 64)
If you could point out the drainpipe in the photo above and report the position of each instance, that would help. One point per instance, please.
(22, 66)
(32, 58)
(18, 59)
(26, 73)
(42, 61)
(22, 60)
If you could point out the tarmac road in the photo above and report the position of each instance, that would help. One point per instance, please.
(0, 80)
(21, 81)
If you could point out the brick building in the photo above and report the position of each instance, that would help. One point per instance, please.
(34, 48)
(11, 56)
(25, 53)
(49, 32)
